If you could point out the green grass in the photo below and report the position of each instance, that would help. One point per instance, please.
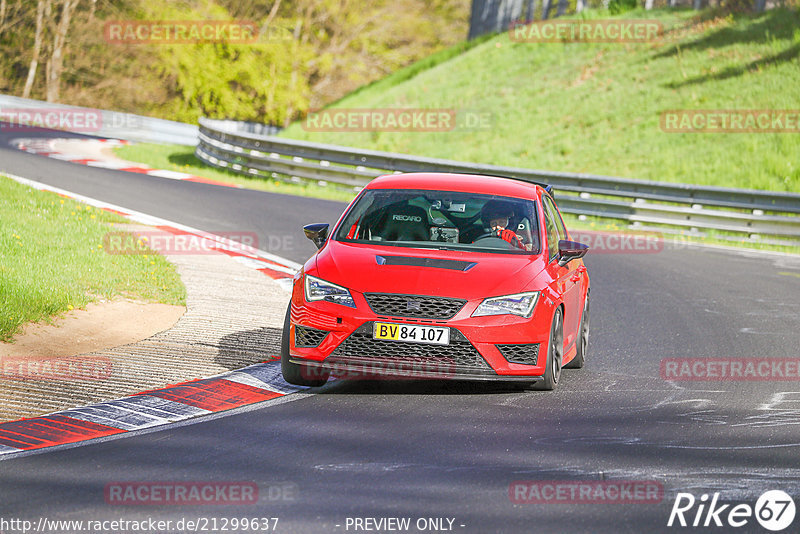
(579, 107)
(595, 107)
(181, 158)
(407, 73)
(52, 260)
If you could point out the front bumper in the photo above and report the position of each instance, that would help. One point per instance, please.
(481, 348)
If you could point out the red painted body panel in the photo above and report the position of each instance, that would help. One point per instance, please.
(463, 183)
(354, 266)
(493, 274)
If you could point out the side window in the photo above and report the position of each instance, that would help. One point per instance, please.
(559, 222)
(551, 229)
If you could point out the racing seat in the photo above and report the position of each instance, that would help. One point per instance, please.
(404, 223)
(524, 230)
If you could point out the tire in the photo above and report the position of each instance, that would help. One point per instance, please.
(583, 339)
(555, 354)
(294, 373)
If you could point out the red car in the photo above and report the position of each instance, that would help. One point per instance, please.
(434, 275)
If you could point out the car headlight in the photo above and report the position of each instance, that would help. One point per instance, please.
(521, 304)
(318, 289)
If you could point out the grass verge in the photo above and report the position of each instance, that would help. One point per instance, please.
(597, 107)
(52, 260)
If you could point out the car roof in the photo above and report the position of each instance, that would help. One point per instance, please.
(463, 183)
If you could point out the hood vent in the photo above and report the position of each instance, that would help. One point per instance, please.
(411, 261)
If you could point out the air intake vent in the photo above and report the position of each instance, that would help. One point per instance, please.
(411, 261)
(307, 337)
(420, 307)
(524, 353)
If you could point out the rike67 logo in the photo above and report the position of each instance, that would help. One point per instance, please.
(774, 510)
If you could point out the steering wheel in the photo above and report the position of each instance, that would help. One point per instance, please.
(486, 235)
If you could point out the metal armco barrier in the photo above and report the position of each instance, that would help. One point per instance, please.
(114, 124)
(763, 216)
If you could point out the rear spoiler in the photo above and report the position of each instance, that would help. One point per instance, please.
(546, 187)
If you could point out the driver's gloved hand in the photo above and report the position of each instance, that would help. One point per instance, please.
(510, 236)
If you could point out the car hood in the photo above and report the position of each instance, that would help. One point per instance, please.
(367, 268)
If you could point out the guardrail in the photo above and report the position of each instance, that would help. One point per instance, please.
(115, 124)
(762, 216)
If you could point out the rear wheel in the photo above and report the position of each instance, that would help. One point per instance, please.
(583, 339)
(555, 353)
(294, 373)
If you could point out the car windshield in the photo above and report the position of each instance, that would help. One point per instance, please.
(442, 220)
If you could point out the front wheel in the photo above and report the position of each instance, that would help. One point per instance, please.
(555, 353)
(294, 373)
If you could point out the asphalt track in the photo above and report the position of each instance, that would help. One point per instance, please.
(452, 450)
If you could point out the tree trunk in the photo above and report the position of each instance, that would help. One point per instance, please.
(37, 48)
(698, 4)
(266, 29)
(546, 9)
(57, 59)
(580, 5)
(648, 4)
(481, 13)
(562, 8)
(510, 11)
(529, 11)
(760, 6)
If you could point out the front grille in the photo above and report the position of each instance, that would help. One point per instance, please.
(459, 356)
(305, 336)
(525, 353)
(421, 307)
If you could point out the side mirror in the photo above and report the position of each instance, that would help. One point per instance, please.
(570, 250)
(317, 232)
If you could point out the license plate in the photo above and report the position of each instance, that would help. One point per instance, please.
(433, 335)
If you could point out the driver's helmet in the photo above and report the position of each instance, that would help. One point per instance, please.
(496, 209)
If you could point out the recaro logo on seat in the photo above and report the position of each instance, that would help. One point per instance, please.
(414, 218)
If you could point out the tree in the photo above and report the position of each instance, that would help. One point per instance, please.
(546, 6)
(56, 64)
(529, 11)
(41, 7)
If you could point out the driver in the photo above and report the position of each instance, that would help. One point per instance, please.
(495, 216)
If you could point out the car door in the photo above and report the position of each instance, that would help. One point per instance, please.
(567, 277)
